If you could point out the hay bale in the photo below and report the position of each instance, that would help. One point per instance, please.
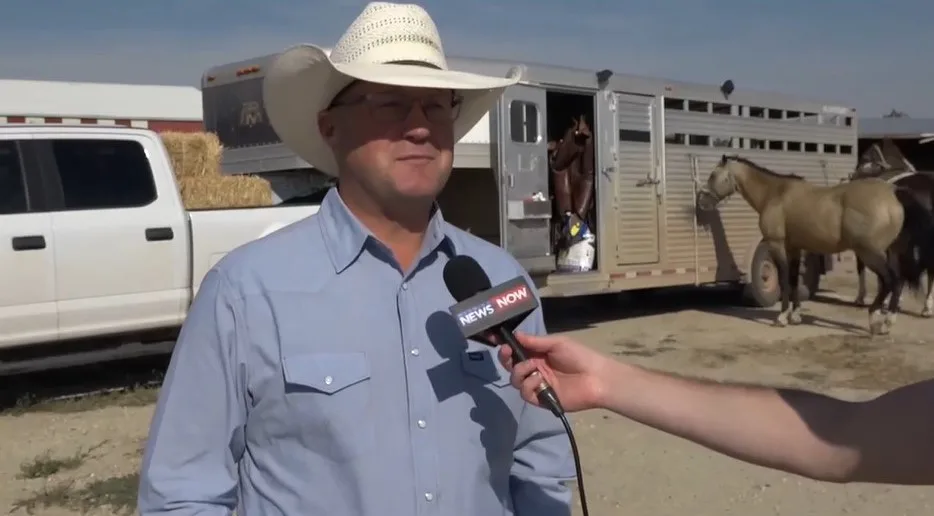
(194, 154)
(215, 192)
(196, 163)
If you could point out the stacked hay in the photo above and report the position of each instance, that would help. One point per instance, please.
(196, 160)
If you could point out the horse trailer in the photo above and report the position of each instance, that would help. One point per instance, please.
(656, 140)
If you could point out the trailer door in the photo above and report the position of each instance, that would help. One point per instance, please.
(638, 182)
(525, 205)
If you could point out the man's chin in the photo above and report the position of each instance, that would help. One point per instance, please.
(419, 184)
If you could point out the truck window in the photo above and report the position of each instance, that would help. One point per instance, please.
(12, 185)
(101, 174)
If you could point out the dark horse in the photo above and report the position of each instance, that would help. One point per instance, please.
(893, 168)
(571, 160)
(869, 217)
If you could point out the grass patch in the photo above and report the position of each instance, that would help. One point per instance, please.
(45, 465)
(117, 493)
(136, 396)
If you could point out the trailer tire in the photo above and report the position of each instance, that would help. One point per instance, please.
(813, 269)
(764, 288)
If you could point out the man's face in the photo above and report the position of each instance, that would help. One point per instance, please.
(397, 142)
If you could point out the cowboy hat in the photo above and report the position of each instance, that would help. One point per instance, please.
(388, 43)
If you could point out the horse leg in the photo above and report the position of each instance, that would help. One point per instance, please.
(928, 310)
(878, 263)
(896, 293)
(861, 274)
(794, 274)
(779, 256)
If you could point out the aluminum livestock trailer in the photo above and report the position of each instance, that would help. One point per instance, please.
(656, 140)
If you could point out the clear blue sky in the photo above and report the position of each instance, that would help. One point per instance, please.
(873, 55)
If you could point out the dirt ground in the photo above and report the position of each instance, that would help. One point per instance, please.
(80, 457)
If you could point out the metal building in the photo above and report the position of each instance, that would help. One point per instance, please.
(160, 108)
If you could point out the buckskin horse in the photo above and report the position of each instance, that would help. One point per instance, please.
(866, 216)
(897, 170)
(572, 172)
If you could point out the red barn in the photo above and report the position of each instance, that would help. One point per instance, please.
(160, 108)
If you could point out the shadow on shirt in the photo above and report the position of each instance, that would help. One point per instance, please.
(469, 368)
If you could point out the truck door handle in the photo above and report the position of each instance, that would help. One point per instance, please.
(28, 243)
(159, 234)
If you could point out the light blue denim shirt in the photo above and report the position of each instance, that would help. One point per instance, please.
(314, 377)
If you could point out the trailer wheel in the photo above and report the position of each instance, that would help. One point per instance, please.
(812, 269)
(764, 287)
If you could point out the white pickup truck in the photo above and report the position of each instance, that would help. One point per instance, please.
(96, 244)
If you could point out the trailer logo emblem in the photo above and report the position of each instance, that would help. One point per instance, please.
(250, 113)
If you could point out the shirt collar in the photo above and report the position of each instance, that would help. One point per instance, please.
(345, 237)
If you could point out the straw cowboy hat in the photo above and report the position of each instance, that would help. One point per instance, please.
(388, 43)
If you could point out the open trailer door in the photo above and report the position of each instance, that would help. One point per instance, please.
(522, 168)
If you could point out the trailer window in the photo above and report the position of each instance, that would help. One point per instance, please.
(103, 174)
(12, 186)
(523, 121)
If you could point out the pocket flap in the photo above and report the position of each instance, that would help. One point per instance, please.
(485, 366)
(326, 372)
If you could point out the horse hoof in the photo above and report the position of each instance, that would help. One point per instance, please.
(889, 320)
(927, 313)
(795, 319)
(779, 324)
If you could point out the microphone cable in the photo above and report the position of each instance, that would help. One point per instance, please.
(548, 398)
(464, 278)
(577, 462)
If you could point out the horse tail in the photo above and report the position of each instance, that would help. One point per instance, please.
(914, 246)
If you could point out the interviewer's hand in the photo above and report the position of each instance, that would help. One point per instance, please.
(572, 369)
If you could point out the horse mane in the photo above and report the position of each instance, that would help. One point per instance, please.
(762, 169)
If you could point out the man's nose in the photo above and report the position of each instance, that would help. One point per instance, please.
(416, 125)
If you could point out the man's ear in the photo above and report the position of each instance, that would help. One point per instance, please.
(327, 128)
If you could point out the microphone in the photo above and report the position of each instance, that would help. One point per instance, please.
(482, 308)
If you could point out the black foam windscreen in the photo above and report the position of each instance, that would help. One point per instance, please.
(464, 277)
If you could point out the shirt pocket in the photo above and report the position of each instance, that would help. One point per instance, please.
(329, 396)
(492, 420)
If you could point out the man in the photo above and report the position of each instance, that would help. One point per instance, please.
(318, 372)
(889, 439)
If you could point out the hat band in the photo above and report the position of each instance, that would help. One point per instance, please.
(409, 62)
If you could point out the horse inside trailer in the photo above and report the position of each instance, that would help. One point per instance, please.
(472, 199)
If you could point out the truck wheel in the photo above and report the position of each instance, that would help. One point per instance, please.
(764, 287)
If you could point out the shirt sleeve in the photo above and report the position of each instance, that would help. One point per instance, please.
(196, 435)
(543, 461)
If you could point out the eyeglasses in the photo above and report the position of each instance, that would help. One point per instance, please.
(394, 108)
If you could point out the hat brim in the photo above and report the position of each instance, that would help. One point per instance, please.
(302, 81)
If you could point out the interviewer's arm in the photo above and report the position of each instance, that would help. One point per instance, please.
(196, 436)
(543, 461)
(889, 439)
